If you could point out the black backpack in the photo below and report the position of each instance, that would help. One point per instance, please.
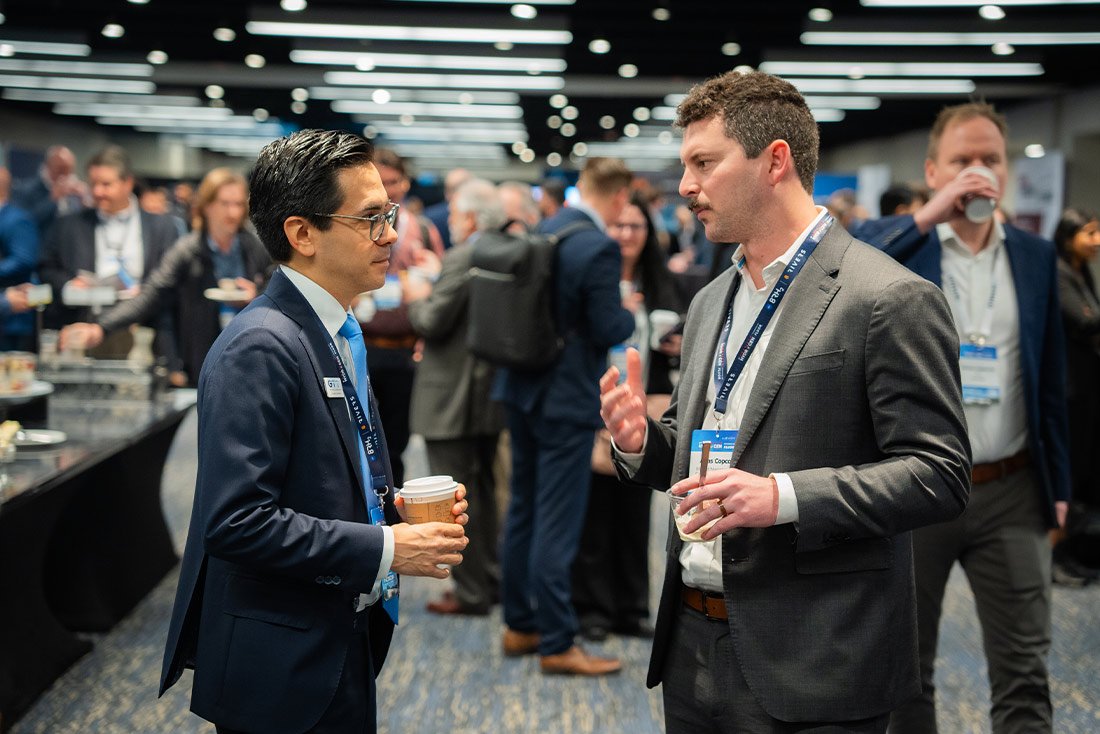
(511, 306)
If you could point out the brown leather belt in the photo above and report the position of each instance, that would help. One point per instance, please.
(390, 342)
(707, 603)
(994, 470)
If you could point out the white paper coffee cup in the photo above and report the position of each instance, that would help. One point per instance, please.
(429, 499)
(980, 209)
(661, 322)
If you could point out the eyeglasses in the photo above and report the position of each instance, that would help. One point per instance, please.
(377, 222)
(628, 226)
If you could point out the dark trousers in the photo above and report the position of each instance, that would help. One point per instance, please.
(391, 377)
(611, 573)
(550, 476)
(470, 461)
(1001, 542)
(352, 710)
(706, 693)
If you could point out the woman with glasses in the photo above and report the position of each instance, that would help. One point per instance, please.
(192, 278)
(611, 573)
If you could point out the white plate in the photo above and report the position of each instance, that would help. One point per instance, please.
(38, 437)
(221, 294)
(37, 389)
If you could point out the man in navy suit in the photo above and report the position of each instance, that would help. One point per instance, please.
(1001, 283)
(552, 416)
(287, 592)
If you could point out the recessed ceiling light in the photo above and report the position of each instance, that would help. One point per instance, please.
(216, 103)
(580, 148)
(856, 72)
(1003, 49)
(366, 63)
(503, 46)
(157, 57)
(113, 30)
(631, 130)
(225, 35)
(214, 91)
(641, 114)
(743, 69)
(299, 94)
(527, 155)
(139, 2)
(407, 120)
(821, 15)
(553, 159)
(553, 122)
(518, 147)
(607, 122)
(380, 96)
(298, 107)
(524, 11)
(599, 45)
(991, 12)
(628, 71)
(664, 137)
(260, 114)
(293, 6)
(568, 129)
(558, 101)
(661, 14)
(2, 18)
(6, 49)
(1035, 150)
(570, 112)
(731, 48)
(370, 132)
(254, 61)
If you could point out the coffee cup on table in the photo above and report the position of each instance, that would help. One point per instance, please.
(429, 499)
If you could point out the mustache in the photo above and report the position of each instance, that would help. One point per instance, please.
(695, 207)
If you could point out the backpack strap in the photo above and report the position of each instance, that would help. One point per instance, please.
(572, 228)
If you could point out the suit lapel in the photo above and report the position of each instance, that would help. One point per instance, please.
(812, 292)
(291, 301)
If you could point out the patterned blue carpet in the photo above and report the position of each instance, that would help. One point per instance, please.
(447, 675)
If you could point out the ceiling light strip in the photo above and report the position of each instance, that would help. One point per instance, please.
(967, 3)
(57, 96)
(92, 68)
(89, 84)
(47, 48)
(444, 81)
(475, 111)
(408, 33)
(455, 96)
(900, 38)
(899, 69)
(428, 61)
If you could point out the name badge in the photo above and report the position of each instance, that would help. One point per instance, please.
(333, 387)
(721, 449)
(979, 367)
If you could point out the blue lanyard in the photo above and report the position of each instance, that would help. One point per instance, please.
(368, 433)
(725, 380)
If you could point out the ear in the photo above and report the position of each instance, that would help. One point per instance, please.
(929, 172)
(301, 235)
(780, 161)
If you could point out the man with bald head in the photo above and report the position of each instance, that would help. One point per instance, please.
(55, 191)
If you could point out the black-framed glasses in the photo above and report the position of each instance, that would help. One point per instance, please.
(377, 222)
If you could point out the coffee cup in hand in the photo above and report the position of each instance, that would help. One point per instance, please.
(429, 499)
(980, 209)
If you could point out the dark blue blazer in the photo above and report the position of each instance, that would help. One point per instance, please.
(589, 314)
(279, 544)
(1034, 265)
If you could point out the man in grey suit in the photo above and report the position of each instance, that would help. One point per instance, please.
(450, 399)
(826, 378)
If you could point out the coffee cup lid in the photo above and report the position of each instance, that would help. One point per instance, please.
(428, 486)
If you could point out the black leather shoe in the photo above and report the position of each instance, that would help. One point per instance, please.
(595, 633)
(637, 628)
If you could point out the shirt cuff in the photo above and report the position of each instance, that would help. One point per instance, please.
(788, 503)
(387, 554)
(633, 462)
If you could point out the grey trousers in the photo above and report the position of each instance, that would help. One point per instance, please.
(705, 692)
(470, 461)
(1001, 542)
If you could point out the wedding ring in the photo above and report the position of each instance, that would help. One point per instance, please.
(725, 512)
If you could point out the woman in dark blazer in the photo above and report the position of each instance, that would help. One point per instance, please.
(611, 572)
(1078, 240)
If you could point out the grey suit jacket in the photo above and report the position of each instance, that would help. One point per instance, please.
(451, 391)
(858, 399)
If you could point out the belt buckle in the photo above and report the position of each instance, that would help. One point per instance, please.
(706, 608)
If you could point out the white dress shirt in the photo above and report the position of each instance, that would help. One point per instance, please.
(333, 315)
(702, 560)
(118, 237)
(998, 430)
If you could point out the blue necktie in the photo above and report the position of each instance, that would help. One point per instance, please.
(354, 334)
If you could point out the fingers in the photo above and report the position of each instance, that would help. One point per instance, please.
(634, 371)
(609, 380)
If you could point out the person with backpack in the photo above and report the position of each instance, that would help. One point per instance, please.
(553, 414)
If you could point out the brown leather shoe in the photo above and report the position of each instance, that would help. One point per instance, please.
(575, 661)
(519, 643)
(449, 604)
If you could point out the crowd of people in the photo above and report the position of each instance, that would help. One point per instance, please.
(843, 406)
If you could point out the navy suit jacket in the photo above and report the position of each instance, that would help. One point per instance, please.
(1034, 265)
(589, 314)
(279, 544)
